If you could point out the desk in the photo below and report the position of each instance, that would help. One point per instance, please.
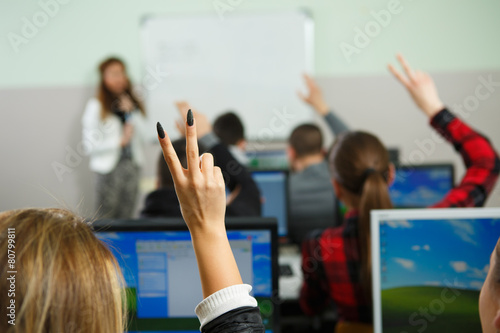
(290, 279)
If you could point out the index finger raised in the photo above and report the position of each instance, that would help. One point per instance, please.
(398, 75)
(406, 66)
(169, 154)
(192, 151)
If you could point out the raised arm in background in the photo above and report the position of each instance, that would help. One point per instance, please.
(479, 156)
(227, 305)
(315, 99)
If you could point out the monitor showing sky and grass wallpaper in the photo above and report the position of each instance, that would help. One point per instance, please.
(421, 186)
(429, 266)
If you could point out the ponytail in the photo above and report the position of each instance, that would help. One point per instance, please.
(359, 162)
(374, 195)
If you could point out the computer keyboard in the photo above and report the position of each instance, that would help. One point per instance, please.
(290, 272)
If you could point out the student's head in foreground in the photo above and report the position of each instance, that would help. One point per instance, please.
(66, 280)
(489, 299)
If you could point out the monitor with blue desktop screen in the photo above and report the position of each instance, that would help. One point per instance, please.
(417, 186)
(421, 186)
(273, 186)
(161, 273)
(429, 266)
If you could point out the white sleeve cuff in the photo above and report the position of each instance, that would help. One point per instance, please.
(223, 301)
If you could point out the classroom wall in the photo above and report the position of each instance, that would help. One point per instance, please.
(445, 35)
(44, 86)
(41, 164)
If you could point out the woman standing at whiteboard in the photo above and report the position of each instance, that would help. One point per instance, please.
(113, 133)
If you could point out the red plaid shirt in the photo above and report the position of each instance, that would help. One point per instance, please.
(330, 258)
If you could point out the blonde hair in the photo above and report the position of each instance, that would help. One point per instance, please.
(66, 281)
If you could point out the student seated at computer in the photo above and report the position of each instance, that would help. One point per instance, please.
(489, 299)
(337, 262)
(311, 195)
(244, 197)
(229, 128)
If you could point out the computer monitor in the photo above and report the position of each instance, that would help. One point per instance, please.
(421, 186)
(417, 186)
(276, 159)
(429, 266)
(161, 274)
(273, 186)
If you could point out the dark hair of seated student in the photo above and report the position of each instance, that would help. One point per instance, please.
(311, 194)
(306, 140)
(229, 128)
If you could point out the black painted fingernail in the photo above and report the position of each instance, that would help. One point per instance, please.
(190, 118)
(161, 132)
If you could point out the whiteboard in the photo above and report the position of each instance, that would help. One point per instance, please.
(251, 64)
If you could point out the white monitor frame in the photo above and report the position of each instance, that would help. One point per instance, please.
(410, 214)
